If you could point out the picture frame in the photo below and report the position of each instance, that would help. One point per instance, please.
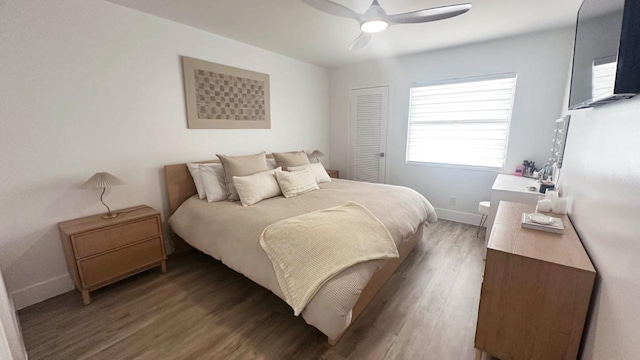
(224, 97)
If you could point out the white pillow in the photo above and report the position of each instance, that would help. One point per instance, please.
(213, 183)
(296, 183)
(197, 179)
(317, 170)
(254, 188)
(271, 164)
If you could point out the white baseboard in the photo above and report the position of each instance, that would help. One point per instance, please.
(457, 216)
(41, 291)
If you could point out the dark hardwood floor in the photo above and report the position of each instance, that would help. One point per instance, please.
(201, 309)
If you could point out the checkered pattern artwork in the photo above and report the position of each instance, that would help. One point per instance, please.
(227, 97)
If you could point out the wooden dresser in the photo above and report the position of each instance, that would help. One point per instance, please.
(102, 251)
(536, 290)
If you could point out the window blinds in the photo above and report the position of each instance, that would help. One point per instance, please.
(604, 78)
(461, 122)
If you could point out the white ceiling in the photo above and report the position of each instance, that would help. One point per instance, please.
(292, 28)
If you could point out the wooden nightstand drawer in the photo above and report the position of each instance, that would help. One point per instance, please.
(110, 266)
(101, 240)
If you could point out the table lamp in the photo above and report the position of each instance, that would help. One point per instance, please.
(103, 180)
(316, 154)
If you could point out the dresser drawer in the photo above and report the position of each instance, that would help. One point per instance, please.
(98, 241)
(108, 266)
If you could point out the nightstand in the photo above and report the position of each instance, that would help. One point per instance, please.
(100, 251)
(333, 173)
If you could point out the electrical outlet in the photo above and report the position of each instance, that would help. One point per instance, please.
(452, 201)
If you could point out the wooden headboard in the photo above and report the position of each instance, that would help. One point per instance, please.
(180, 184)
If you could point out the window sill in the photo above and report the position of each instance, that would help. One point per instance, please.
(455, 166)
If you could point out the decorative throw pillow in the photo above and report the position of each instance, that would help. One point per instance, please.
(296, 183)
(254, 188)
(241, 166)
(317, 170)
(197, 179)
(293, 158)
(215, 187)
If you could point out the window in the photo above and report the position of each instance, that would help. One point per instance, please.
(461, 122)
(604, 76)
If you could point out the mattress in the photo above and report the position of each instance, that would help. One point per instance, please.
(230, 233)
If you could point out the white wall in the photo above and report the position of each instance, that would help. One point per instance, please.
(90, 86)
(601, 175)
(541, 63)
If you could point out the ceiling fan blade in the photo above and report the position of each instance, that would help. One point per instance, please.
(427, 15)
(332, 8)
(361, 41)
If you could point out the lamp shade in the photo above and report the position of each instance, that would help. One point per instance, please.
(102, 180)
(316, 154)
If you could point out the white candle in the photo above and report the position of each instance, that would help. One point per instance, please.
(544, 205)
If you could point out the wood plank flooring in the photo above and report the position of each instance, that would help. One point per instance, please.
(201, 309)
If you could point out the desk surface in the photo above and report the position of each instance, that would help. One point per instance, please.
(509, 236)
(513, 183)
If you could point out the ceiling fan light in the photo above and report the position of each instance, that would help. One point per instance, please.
(374, 26)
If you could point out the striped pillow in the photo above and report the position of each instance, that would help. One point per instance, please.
(296, 183)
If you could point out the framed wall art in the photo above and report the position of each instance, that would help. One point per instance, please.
(225, 97)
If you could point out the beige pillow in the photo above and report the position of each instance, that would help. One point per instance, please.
(241, 166)
(296, 183)
(293, 158)
(317, 170)
(213, 183)
(254, 188)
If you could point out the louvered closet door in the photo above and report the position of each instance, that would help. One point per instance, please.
(368, 114)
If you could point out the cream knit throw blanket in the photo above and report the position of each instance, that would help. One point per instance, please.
(308, 250)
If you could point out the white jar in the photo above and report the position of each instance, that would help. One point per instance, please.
(560, 206)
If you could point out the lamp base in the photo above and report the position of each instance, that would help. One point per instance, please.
(110, 216)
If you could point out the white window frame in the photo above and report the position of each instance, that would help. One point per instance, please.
(455, 81)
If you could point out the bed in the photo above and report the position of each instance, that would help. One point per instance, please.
(230, 233)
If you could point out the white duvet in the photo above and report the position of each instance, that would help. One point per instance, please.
(230, 233)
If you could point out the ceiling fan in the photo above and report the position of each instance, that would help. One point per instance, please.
(375, 19)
